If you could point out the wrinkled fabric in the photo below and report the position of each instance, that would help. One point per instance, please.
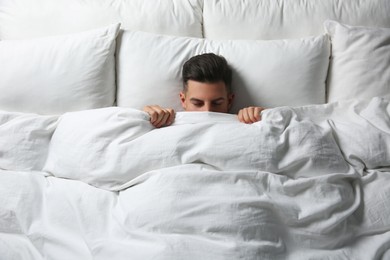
(307, 182)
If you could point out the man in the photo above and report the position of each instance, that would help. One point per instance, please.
(207, 82)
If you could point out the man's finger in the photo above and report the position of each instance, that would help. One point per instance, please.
(153, 113)
(171, 117)
(240, 117)
(246, 116)
(251, 114)
(158, 114)
(257, 113)
(163, 120)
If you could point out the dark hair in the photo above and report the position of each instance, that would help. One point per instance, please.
(207, 68)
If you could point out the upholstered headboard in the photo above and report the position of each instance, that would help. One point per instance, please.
(20, 19)
(284, 19)
(212, 19)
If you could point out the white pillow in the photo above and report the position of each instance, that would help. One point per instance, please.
(53, 75)
(360, 63)
(265, 73)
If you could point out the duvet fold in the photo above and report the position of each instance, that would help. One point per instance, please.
(109, 148)
(307, 182)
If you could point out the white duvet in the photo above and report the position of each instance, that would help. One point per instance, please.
(304, 183)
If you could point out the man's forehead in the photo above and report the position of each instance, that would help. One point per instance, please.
(206, 87)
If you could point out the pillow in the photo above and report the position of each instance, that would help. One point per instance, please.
(53, 75)
(360, 63)
(265, 73)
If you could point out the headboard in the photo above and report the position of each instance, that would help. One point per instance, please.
(279, 50)
(21, 19)
(285, 19)
(212, 19)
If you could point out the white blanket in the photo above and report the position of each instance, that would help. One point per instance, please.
(304, 183)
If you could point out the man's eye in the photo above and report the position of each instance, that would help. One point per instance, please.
(217, 103)
(197, 104)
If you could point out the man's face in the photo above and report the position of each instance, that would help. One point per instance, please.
(211, 97)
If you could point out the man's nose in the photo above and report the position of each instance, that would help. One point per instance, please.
(207, 107)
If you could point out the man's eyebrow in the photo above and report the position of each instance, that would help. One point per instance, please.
(214, 100)
(196, 100)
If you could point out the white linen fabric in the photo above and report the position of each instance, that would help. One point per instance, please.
(25, 140)
(265, 73)
(360, 63)
(53, 75)
(24, 19)
(292, 186)
(111, 146)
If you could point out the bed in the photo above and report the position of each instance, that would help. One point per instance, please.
(84, 175)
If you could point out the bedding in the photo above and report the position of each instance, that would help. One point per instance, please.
(360, 63)
(30, 138)
(310, 182)
(58, 74)
(81, 179)
(265, 73)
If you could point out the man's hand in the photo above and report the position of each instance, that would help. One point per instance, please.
(250, 115)
(159, 116)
